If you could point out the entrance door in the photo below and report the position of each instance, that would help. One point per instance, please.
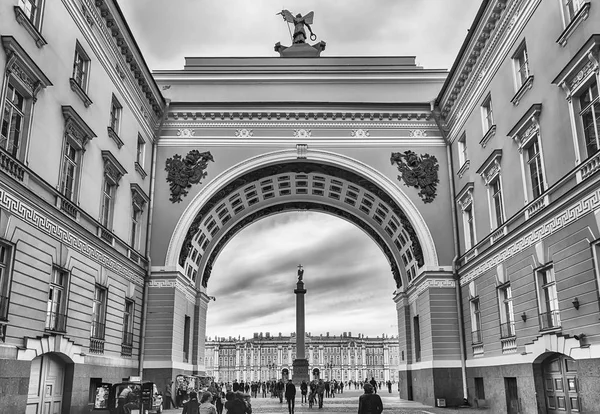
(512, 395)
(46, 382)
(560, 385)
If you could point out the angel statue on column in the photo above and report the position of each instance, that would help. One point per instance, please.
(299, 22)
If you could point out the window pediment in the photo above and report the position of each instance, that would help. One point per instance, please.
(26, 72)
(490, 168)
(113, 170)
(75, 128)
(138, 196)
(581, 68)
(527, 127)
(465, 196)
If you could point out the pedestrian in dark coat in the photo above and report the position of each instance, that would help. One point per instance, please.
(290, 396)
(192, 406)
(369, 403)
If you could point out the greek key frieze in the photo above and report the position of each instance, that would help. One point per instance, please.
(46, 225)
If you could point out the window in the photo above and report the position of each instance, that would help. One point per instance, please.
(5, 257)
(572, 7)
(80, 79)
(476, 321)
(141, 145)
(115, 115)
(507, 317)
(24, 80)
(135, 227)
(70, 171)
(535, 167)
(521, 62)
(127, 342)
(417, 333)
(490, 173)
(56, 318)
(547, 299)
(462, 149)
(186, 339)
(590, 118)
(108, 203)
(29, 15)
(498, 203)
(98, 313)
(12, 121)
(465, 201)
(487, 114)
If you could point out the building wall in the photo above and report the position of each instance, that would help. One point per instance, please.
(353, 357)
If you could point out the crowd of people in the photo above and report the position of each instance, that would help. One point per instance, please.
(236, 397)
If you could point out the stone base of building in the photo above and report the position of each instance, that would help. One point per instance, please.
(429, 384)
(300, 371)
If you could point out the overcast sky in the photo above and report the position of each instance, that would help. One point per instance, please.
(347, 276)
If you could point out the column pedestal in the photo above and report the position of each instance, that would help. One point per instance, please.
(300, 371)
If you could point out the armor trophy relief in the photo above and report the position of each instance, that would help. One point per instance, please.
(299, 47)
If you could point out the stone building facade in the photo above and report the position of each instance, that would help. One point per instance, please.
(263, 357)
(491, 230)
(80, 111)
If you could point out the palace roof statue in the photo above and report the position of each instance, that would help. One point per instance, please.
(299, 46)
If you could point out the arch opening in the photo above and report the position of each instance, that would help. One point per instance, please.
(304, 185)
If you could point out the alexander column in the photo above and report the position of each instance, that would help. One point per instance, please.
(300, 363)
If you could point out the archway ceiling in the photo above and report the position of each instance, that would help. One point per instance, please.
(300, 185)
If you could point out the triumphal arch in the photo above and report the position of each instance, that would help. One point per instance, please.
(354, 137)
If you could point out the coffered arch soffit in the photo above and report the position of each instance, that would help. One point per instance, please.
(280, 181)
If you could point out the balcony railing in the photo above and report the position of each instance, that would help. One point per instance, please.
(96, 346)
(507, 330)
(127, 344)
(97, 330)
(56, 321)
(3, 308)
(476, 337)
(550, 320)
(11, 166)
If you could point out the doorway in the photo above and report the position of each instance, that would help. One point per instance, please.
(46, 385)
(561, 387)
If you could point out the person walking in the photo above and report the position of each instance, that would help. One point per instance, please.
(290, 396)
(373, 384)
(320, 392)
(303, 391)
(169, 396)
(369, 403)
(389, 385)
(192, 406)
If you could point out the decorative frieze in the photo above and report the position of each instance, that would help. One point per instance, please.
(173, 284)
(302, 133)
(430, 284)
(359, 133)
(556, 223)
(47, 225)
(186, 132)
(417, 133)
(244, 133)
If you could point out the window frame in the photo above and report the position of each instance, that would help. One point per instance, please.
(546, 305)
(55, 325)
(506, 310)
(187, 324)
(487, 113)
(7, 129)
(466, 203)
(6, 270)
(75, 163)
(491, 174)
(140, 151)
(81, 67)
(115, 115)
(107, 208)
(476, 326)
(99, 310)
(594, 107)
(521, 59)
(462, 150)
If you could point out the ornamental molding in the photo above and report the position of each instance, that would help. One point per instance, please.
(302, 133)
(526, 86)
(138, 196)
(527, 127)
(418, 133)
(56, 230)
(581, 15)
(183, 172)
(299, 125)
(76, 129)
(569, 215)
(582, 66)
(418, 171)
(186, 132)
(359, 133)
(113, 170)
(430, 284)
(101, 14)
(173, 284)
(490, 167)
(464, 168)
(465, 197)
(300, 115)
(244, 133)
(19, 64)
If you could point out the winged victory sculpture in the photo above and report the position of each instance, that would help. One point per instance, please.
(299, 22)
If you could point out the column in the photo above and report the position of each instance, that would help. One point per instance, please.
(300, 364)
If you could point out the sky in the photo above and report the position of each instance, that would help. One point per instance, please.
(347, 277)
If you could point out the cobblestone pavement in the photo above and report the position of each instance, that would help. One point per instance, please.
(348, 403)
